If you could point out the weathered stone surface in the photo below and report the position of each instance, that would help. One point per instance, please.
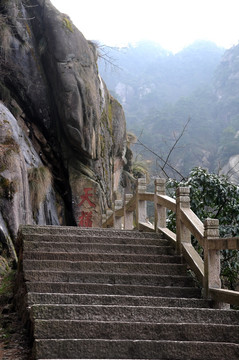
(100, 248)
(108, 309)
(134, 258)
(108, 278)
(17, 158)
(142, 349)
(105, 267)
(65, 119)
(125, 330)
(71, 230)
(96, 238)
(135, 314)
(128, 300)
(116, 289)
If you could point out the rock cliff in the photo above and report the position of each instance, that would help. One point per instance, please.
(62, 135)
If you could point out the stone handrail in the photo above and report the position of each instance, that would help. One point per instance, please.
(132, 213)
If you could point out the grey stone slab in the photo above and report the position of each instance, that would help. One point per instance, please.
(74, 230)
(94, 299)
(135, 313)
(106, 267)
(146, 349)
(96, 293)
(73, 329)
(94, 238)
(116, 289)
(84, 256)
(97, 248)
(107, 278)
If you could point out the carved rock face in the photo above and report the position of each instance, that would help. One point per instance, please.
(76, 127)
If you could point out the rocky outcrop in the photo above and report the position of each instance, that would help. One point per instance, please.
(63, 151)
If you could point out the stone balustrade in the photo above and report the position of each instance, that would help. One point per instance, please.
(131, 213)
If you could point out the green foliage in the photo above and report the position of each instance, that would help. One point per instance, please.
(40, 180)
(7, 188)
(7, 284)
(213, 196)
(67, 24)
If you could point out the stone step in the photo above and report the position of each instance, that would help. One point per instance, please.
(108, 278)
(74, 329)
(100, 299)
(123, 240)
(113, 289)
(142, 349)
(105, 267)
(74, 230)
(62, 256)
(134, 314)
(97, 248)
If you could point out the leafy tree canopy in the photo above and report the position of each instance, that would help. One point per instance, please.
(214, 196)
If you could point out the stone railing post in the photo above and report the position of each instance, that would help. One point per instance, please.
(118, 219)
(159, 211)
(211, 257)
(141, 205)
(128, 215)
(182, 201)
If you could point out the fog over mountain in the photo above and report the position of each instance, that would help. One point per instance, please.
(160, 91)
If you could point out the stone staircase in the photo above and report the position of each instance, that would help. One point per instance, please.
(111, 294)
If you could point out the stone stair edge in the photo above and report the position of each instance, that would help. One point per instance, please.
(121, 289)
(104, 299)
(156, 287)
(80, 256)
(84, 329)
(180, 308)
(108, 273)
(115, 278)
(106, 349)
(112, 295)
(29, 229)
(99, 248)
(138, 236)
(145, 314)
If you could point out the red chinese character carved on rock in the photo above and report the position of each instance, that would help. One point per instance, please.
(86, 197)
(85, 219)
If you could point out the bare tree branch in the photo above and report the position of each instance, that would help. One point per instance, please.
(235, 172)
(165, 162)
(161, 159)
(104, 53)
(177, 140)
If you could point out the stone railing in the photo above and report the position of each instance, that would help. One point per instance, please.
(132, 213)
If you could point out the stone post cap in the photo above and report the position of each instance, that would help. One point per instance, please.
(208, 223)
(183, 191)
(159, 181)
(211, 228)
(142, 185)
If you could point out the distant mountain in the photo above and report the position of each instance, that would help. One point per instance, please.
(160, 91)
(148, 72)
(226, 86)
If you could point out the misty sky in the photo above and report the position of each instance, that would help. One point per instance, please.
(173, 24)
